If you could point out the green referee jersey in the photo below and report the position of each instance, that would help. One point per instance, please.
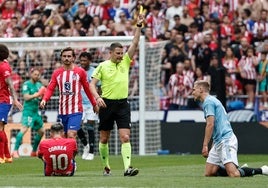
(30, 88)
(114, 78)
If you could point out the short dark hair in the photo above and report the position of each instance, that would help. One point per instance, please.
(67, 49)
(4, 52)
(57, 127)
(86, 54)
(115, 45)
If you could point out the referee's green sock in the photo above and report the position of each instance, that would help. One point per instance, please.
(126, 154)
(18, 141)
(104, 154)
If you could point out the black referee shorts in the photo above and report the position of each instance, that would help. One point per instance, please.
(116, 111)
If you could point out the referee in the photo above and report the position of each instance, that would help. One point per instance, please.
(114, 77)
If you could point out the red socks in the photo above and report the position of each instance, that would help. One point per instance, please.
(2, 144)
(4, 149)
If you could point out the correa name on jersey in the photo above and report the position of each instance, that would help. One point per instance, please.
(54, 148)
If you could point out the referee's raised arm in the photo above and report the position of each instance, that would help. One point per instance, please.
(135, 41)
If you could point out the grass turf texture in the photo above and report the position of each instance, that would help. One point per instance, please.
(155, 171)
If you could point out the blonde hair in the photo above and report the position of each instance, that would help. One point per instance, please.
(204, 84)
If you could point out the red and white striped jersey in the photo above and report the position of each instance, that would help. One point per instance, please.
(247, 67)
(179, 87)
(69, 83)
(5, 72)
(231, 66)
(156, 23)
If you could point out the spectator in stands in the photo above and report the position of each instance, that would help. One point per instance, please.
(259, 38)
(8, 11)
(241, 49)
(38, 31)
(233, 87)
(189, 51)
(247, 68)
(256, 7)
(191, 6)
(199, 75)
(115, 11)
(241, 5)
(97, 25)
(226, 10)
(43, 8)
(202, 54)
(175, 56)
(181, 28)
(83, 17)
(188, 71)
(129, 29)
(22, 70)
(261, 23)
(247, 19)
(179, 88)
(186, 19)
(226, 27)
(213, 72)
(230, 62)
(55, 21)
(96, 9)
(198, 19)
(205, 11)
(263, 78)
(245, 33)
(176, 8)
(35, 21)
(120, 26)
(165, 68)
(170, 44)
(78, 29)
(148, 34)
(48, 31)
(179, 41)
(156, 20)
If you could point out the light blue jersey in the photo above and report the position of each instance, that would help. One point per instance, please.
(85, 100)
(222, 127)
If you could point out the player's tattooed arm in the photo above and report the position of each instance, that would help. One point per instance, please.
(11, 88)
(13, 93)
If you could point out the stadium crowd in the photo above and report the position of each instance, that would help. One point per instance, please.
(204, 36)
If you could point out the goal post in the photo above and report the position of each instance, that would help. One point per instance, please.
(145, 73)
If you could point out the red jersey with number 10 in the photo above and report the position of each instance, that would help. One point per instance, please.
(58, 155)
(5, 72)
(69, 83)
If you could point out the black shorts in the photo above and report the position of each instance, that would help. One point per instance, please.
(249, 82)
(116, 111)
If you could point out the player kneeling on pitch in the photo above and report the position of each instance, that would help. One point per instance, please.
(222, 157)
(58, 153)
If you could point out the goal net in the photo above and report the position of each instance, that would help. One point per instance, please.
(144, 99)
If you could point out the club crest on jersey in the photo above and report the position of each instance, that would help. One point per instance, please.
(74, 77)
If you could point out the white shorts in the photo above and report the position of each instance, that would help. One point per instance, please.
(89, 114)
(224, 152)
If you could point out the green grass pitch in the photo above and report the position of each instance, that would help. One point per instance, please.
(162, 171)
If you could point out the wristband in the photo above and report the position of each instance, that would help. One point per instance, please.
(139, 25)
(97, 98)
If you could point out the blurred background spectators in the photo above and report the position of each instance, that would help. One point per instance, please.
(203, 35)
